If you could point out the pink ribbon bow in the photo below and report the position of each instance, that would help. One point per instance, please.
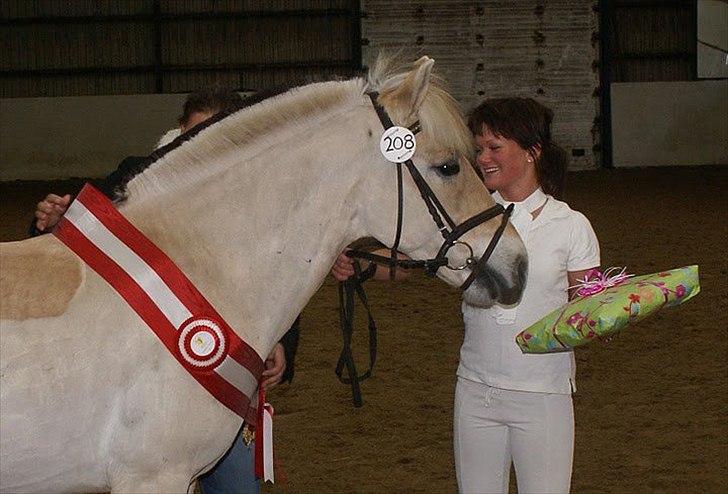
(595, 281)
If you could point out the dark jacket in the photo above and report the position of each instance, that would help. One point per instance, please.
(131, 166)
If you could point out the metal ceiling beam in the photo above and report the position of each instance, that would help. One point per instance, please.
(653, 56)
(682, 4)
(225, 67)
(186, 16)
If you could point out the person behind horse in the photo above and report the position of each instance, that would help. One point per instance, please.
(509, 406)
(235, 472)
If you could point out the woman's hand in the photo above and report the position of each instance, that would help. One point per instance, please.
(49, 210)
(275, 366)
(343, 268)
(574, 277)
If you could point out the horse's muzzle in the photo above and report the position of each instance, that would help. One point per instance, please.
(504, 286)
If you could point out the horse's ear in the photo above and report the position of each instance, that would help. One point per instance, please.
(412, 91)
(422, 61)
(419, 78)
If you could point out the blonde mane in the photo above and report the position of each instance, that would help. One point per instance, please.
(205, 154)
(246, 131)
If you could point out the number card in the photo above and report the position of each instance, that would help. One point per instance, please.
(397, 144)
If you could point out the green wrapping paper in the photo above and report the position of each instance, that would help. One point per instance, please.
(599, 316)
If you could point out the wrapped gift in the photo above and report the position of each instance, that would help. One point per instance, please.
(606, 303)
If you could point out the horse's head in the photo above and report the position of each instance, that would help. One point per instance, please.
(443, 148)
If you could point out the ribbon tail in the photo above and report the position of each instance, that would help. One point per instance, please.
(268, 464)
(264, 465)
(259, 435)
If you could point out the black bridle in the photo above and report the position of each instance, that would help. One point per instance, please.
(451, 232)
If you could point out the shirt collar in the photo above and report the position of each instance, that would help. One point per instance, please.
(530, 203)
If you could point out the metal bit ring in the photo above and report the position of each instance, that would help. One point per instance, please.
(469, 261)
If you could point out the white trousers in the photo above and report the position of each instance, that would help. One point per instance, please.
(493, 427)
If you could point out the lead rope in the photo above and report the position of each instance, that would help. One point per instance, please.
(347, 289)
(353, 285)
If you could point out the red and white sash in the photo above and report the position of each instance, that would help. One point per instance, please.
(157, 290)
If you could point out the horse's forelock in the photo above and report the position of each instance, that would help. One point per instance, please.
(442, 122)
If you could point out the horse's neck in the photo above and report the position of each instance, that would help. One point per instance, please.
(259, 238)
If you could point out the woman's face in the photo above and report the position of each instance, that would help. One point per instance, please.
(506, 166)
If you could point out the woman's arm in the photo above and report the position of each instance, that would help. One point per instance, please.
(575, 277)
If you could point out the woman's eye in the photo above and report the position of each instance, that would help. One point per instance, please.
(448, 169)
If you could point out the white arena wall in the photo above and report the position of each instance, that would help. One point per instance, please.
(670, 123)
(536, 49)
(80, 136)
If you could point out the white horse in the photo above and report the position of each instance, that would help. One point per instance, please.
(254, 210)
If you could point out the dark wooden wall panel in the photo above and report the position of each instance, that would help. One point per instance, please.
(180, 6)
(653, 41)
(47, 8)
(149, 46)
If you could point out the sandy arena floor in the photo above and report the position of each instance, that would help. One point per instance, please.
(651, 406)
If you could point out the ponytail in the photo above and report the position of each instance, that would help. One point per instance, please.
(551, 169)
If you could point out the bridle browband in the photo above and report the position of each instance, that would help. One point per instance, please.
(450, 231)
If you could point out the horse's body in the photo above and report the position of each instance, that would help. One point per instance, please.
(254, 210)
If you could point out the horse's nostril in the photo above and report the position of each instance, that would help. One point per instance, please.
(490, 280)
(511, 293)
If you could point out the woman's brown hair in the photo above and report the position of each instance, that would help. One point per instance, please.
(528, 123)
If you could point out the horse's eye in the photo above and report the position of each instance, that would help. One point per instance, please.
(449, 168)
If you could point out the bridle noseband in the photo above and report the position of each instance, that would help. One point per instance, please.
(450, 231)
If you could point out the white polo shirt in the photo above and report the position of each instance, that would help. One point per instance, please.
(558, 240)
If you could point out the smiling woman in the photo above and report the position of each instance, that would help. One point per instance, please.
(511, 407)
